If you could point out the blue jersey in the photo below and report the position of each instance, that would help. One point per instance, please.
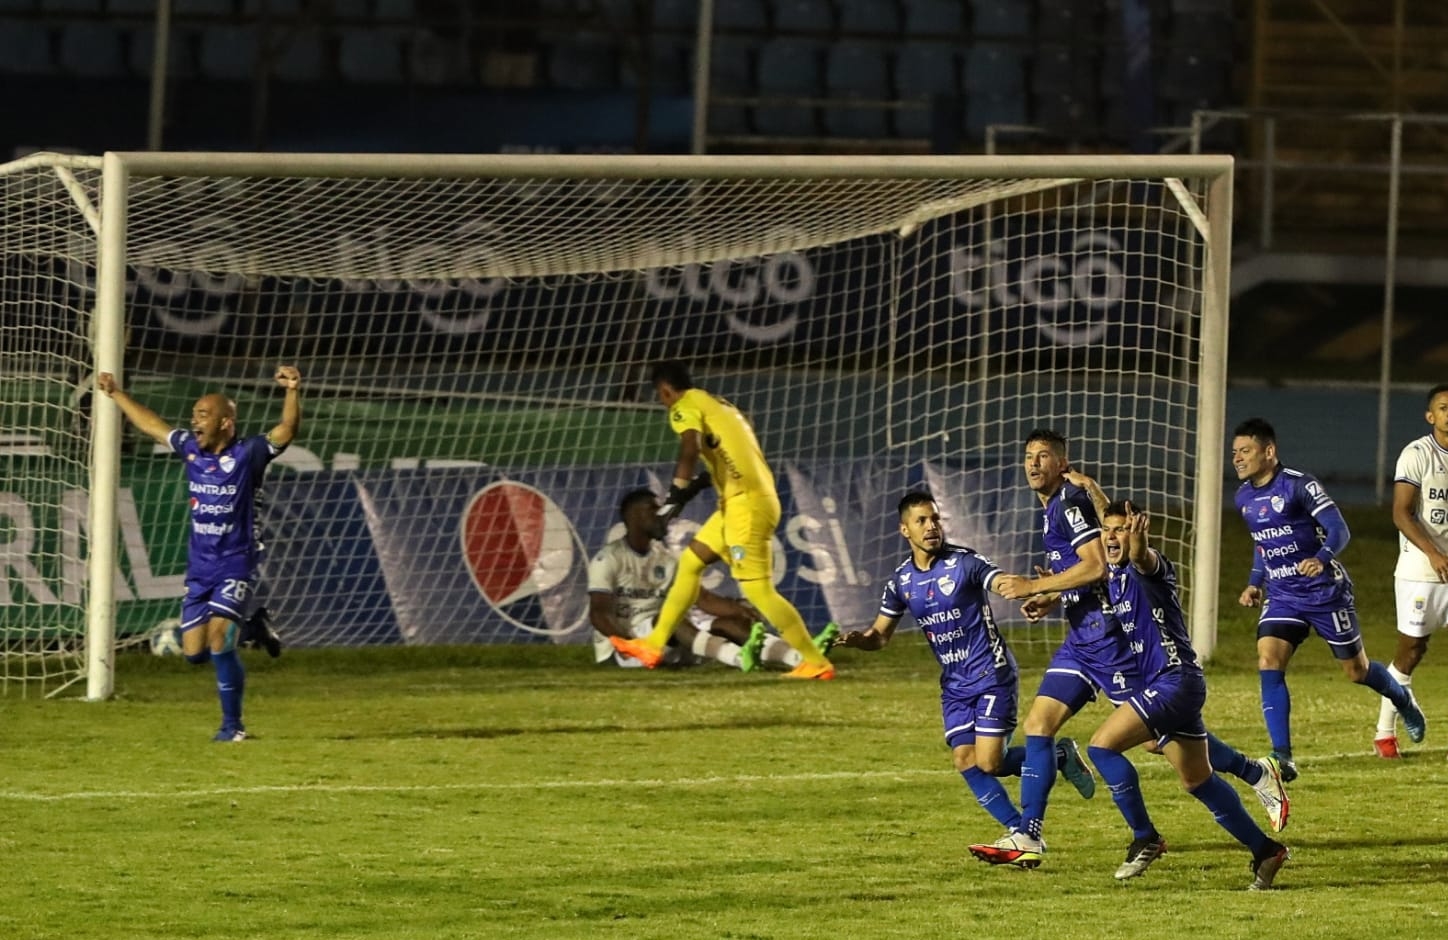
(222, 489)
(1281, 516)
(950, 603)
(1070, 521)
(1150, 612)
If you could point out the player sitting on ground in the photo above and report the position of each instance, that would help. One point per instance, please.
(627, 582)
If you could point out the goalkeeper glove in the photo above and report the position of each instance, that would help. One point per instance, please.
(675, 502)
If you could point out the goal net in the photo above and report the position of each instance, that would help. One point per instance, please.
(474, 336)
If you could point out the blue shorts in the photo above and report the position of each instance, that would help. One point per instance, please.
(220, 596)
(1073, 676)
(991, 711)
(1338, 626)
(1171, 705)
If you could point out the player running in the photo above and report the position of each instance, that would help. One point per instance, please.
(1298, 533)
(712, 430)
(223, 474)
(945, 590)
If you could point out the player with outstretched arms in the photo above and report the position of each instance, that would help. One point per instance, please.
(714, 432)
(627, 582)
(945, 589)
(1297, 533)
(1420, 580)
(223, 475)
(1165, 714)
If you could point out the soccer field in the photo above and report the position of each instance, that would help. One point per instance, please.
(522, 792)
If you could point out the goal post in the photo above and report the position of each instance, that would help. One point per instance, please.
(474, 332)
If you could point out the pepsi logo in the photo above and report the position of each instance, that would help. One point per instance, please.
(525, 558)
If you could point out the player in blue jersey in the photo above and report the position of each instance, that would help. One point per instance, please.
(945, 589)
(1096, 655)
(1297, 534)
(1167, 711)
(223, 474)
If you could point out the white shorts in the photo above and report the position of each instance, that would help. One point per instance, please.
(1422, 606)
(696, 622)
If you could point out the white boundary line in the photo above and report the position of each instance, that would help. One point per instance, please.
(23, 796)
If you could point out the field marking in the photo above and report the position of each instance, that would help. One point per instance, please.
(23, 796)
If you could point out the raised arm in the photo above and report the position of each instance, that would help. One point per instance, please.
(1092, 488)
(289, 378)
(150, 424)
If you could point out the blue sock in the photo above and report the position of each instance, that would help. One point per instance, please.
(1120, 776)
(230, 682)
(992, 797)
(1038, 775)
(1277, 710)
(1229, 760)
(1012, 762)
(1382, 682)
(1218, 796)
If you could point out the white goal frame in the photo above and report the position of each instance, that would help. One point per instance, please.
(1213, 224)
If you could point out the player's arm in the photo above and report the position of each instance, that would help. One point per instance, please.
(146, 421)
(289, 378)
(717, 605)
(1251, 595)
(1405, 517)
(1089, 568)
(1335, 540)
(874, 638)
(1138, 543)
(601, 614)
(1093, 490)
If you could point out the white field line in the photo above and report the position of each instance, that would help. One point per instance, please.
(729, 780)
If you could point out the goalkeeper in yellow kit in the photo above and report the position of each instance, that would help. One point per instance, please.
(739, 531)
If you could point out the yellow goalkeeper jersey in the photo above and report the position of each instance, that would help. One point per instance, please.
(730, 449)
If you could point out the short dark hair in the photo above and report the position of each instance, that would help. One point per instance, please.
(1120, 507)
(913, 498)
(634, 496)
(672, 371)
(1055, 440)
(1257, 429)
(1434, 392)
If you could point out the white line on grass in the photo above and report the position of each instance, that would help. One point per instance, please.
(585, 784)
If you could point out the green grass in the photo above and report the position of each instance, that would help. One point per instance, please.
(521, 792)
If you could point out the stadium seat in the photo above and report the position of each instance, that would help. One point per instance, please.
(934, 17)
(300, 54)
(1065, 20)
(279, 10)
(1210, 34)
(433, 59)
(181, 63)
(25, 48)
(788, 69)
(857, 72)
(984, 110)
(228, 53)
(92, 49)
(742, 16)
(924, 71)
(1062, 69)
(873, 17)
(1187, 76)
(398, 11)
(995, 68)
(1000, 19)
(804, 16)
(126, 8)
(669, 68)
(370, 56)
(731, 74)
(220, 9)
(681, 16)
(70, 6)
(1067, 115)
(583, 64)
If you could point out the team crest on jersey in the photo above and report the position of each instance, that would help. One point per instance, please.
(228, 463)
(947, 585)
(659, 573)
(736, 552)
(1419, 603)
(1278, 504)
(1075, 518)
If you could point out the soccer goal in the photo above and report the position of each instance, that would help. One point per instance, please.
(474, 335)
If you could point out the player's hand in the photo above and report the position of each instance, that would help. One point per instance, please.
(1035, 609)
(1077, 478)
(289, 377)
(1311, 567)
(1014, 587)
(106, 384)
(1251, 596)
(860, 640)
(1440, 565)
